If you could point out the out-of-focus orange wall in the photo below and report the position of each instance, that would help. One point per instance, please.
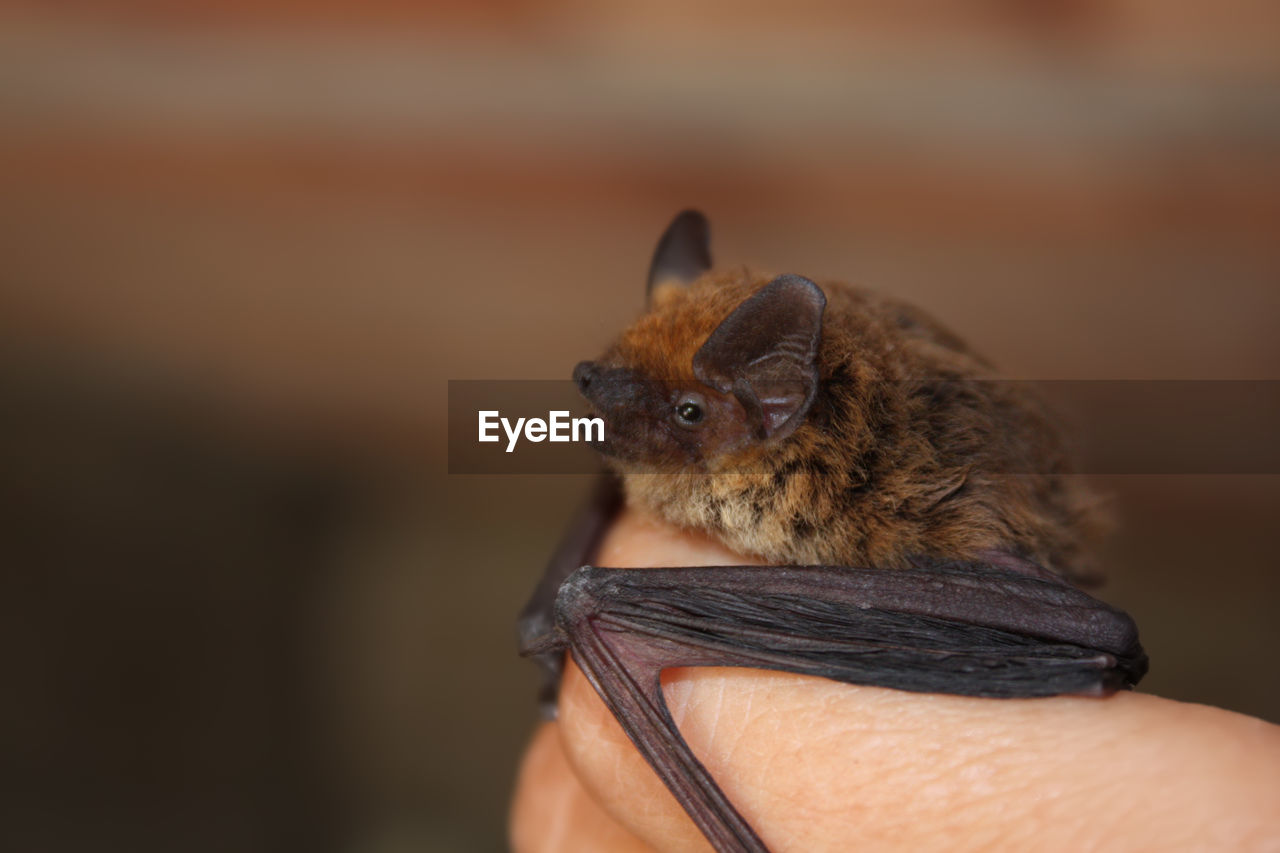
(246, 245)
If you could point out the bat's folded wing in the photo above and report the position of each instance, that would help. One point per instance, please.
(961, 629)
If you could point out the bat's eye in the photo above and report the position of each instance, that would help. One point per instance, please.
(690, 411)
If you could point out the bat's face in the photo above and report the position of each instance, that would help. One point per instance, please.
(718, 368)
(656, 422)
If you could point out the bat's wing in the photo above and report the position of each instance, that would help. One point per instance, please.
(962, 628)
(575, 550)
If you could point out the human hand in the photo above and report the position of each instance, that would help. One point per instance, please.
(818, 765)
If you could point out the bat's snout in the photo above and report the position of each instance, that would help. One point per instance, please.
(611, 389)
(619, 397)
(588, 376)
(584, 375)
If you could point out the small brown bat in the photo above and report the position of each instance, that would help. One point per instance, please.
(922, 534)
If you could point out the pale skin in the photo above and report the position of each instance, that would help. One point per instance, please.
(816, 765)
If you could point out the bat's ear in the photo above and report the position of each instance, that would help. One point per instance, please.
(766, 354)
(683, 253)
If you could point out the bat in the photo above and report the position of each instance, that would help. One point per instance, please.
(919, 526)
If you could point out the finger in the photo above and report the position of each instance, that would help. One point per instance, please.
(552, 812)
(815, 764)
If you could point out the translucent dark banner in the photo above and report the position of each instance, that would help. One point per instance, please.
(1127, 426)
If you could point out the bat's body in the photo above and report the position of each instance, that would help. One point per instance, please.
(922, 532)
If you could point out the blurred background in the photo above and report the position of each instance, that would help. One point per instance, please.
(246, 245)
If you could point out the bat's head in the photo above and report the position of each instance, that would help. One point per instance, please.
(719, 368)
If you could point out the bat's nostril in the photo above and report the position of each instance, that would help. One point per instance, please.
(583, 374)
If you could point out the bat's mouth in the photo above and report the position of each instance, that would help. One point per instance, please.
(603, 444)
(608, 445)
(616, 442)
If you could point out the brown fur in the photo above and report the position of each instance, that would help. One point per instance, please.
(892, 463)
